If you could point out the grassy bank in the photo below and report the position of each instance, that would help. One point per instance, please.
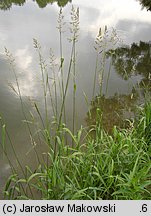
(88, 163)
(102, 167)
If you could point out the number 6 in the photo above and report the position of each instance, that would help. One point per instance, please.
(144, 208)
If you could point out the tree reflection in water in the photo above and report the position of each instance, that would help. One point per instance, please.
(115, 110)
(128, 61)
(5, 5)
(133, 60)
(146, 4)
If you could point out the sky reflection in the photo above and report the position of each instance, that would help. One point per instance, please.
(20, 25)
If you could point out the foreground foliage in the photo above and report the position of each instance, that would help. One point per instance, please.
(89, 163)
(100, 166)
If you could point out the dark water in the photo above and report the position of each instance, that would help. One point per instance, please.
(21, 21)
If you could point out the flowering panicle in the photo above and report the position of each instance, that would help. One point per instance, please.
(74, 29)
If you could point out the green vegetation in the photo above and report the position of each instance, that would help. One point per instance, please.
(132, 60)
(146, 4)
(89, 163)
(102, 167)
(7, 4)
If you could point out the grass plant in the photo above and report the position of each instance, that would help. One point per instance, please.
(98, 166)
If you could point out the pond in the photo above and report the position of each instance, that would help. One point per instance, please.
(122, 88)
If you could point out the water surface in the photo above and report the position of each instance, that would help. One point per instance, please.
(21, 21)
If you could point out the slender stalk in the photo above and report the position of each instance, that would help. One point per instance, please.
(95, 74)
(74, 31)
(60, 28)
(74, 89)
(52, 66)
(109, 73)
(11, 59)
(102, 70)
(44, 79)
(63, 102)
(51, 99)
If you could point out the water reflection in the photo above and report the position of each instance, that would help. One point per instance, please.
(5, 5)
(128, 62)
(146, 4)
(114, 110)
(20, 25)
(133, 60)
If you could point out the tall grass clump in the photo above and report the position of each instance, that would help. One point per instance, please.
(106, 40)
(97, 167)
(87, 163)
